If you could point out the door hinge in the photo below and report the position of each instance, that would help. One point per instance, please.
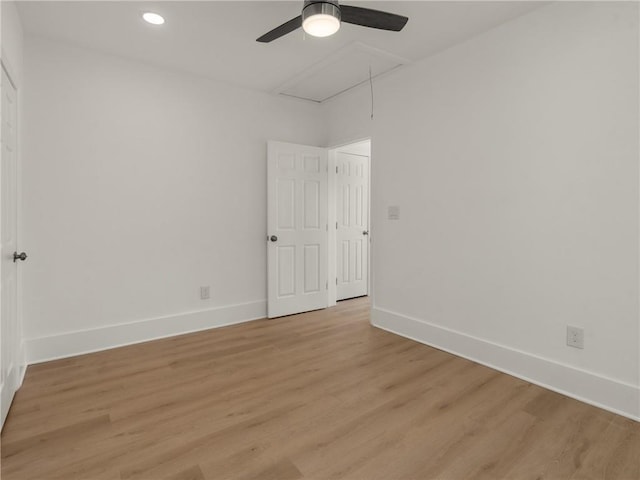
(327, 285)
(336, 169)
(336, 280)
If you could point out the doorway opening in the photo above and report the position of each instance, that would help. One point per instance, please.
(349, 217)
(318, 219)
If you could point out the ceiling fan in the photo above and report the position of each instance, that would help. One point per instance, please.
(322, 18)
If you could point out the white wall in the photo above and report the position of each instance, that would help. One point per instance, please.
(514, 160)
(359, 148)
(11, 40)
(141, 185)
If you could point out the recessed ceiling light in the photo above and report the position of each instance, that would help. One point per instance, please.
(153, 18)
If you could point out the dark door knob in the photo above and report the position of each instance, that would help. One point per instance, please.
(366, 232)
(273, 238)
(22, 256)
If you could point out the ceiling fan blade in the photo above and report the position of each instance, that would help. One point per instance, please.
(282, 30)
(372, 18)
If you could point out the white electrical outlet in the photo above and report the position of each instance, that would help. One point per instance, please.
(575, 337)
(205, 293)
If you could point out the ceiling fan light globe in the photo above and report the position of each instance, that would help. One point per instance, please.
(321, 25)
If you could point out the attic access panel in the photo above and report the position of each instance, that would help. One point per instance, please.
(342, 71)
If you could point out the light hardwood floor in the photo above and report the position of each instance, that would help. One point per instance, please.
(321, 395)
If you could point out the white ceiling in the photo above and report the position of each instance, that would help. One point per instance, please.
(217, 38)
(341, 71)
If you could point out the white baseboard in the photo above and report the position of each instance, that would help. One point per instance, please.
(12, 383)
(8, 390)
(609, 394)
(23, 363)
(79, 342)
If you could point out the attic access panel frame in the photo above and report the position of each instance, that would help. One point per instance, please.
(382, 63)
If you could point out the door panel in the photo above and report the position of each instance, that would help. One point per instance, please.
(352, 186)
(311, 268)
(286, 270)
(311, 204)
(286, 203)
(297, 223)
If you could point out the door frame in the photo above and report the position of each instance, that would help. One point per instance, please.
(332, 274)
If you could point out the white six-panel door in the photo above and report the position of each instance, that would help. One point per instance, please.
(10, 361)
(297, 237)
(352, 234)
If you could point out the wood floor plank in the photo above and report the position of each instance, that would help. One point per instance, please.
(191, 473)
(55, 438)
(443, 427)
(321, 395)
(281, 470)
(601, 461)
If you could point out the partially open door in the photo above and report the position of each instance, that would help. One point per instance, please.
(352, 226)
(11, 356)
(297, 228)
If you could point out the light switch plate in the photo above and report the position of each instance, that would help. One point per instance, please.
(205, 293)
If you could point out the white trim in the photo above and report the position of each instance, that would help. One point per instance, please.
(332, 274)
(638, 231)
(22, 357)
(79, 342)
(8, 390)
(603, 392)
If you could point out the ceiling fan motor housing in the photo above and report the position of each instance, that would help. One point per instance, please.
(320, 7)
